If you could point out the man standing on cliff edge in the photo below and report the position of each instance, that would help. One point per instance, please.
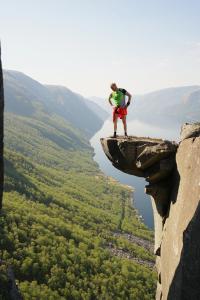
(118, 97)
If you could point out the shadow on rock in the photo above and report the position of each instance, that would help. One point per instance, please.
(185, 284)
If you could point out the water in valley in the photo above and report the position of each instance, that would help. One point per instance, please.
(141, 201)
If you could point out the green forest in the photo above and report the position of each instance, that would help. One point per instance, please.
(60, 217)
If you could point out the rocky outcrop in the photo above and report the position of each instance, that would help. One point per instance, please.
(180, 250)
(123, 253)
(173, 175)
(1, 131)
(153, 159)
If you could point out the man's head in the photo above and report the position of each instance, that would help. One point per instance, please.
(114, 86)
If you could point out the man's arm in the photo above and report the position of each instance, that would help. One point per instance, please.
(129, 98)
(109, 99)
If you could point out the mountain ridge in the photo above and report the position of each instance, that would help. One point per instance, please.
(25, 95)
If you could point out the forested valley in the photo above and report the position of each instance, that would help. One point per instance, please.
(64, 223)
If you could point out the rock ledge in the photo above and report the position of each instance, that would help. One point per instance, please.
(172, 172)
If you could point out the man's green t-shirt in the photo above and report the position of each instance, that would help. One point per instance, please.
(118, 97)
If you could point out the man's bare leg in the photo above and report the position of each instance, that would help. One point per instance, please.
(125, 125)
(115, 125)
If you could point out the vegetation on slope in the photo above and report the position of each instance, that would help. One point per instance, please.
(61, 215)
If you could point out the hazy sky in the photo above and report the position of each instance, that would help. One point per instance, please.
(143, 45)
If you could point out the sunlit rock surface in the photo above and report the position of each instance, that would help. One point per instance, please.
(173, 175)
(180, 248)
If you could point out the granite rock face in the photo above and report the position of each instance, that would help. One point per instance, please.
(180, 250)
(1, 131)
(173, 175)
(190, 130)
(153, 159)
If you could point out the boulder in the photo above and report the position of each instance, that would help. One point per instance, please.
(190, 130)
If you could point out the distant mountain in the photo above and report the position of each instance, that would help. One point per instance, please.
(98, 109)
(188, 110)
(103, 103)
(167, 107)
(27, 97)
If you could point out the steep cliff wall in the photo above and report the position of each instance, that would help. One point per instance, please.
(180, 248)
(174, 186)
(1, 131)
(153, 159)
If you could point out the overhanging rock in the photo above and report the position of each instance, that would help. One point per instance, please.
(173, 175)
(153, 159)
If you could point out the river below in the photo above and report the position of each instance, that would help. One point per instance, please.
(141, 201)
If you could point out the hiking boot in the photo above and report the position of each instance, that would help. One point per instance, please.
(114, 135)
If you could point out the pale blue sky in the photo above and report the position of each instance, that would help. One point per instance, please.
(143, 45)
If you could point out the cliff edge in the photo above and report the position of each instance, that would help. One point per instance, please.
(172, 172)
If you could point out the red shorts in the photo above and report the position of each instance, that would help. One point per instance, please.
(119, 112)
